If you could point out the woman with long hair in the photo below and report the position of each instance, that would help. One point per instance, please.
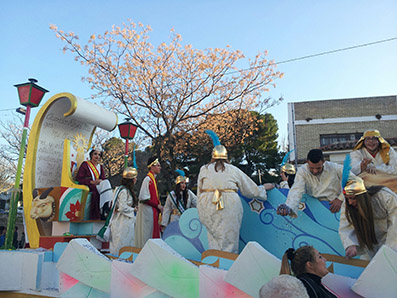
(122, 223)
(368, 218)
(308, 265)
(219, 206)
(91, 173)
(178, 200)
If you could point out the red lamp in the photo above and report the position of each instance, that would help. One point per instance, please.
(127, 132)
(30, 94)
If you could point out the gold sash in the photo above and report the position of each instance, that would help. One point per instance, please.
(217, 198)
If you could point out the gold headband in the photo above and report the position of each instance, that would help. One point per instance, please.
(180, 179)
(155, 162)
(219, 152)
(130, 173)
(354, 186)
(288, 168)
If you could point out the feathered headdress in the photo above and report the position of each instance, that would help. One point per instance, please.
(353, 186)
(287, 167)
(219, 151)
(214, 137)
(346, 170)
(131, 172)
(181, 176)
(133, 158)
(285, 159)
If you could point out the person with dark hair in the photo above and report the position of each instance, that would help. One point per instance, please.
(178, 201)
(368, 218)
(122, 222)
(91, 173)
(287, 174)
(149, 209)
(318, 178)
(308, 265)
(219, 206)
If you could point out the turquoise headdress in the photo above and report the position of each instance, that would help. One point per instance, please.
(219, 151)
(181, 176)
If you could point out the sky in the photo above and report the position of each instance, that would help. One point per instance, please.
(287, 29)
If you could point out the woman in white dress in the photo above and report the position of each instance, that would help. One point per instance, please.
(122, 223)
(178, 201)
(368, 219)
(219, 206)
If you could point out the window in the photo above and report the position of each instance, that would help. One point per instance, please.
(339, 138)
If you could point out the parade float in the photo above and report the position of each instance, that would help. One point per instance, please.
(65, 259)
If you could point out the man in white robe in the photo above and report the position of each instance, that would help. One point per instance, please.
(317, 178)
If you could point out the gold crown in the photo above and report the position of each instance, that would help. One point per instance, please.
(288, 168)
(180, 179)
(155, 162)
(130, 173)
(354, 186)
(219, 152)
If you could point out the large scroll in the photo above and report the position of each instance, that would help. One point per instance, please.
(63, 116)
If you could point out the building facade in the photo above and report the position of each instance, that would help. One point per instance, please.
(335, 125)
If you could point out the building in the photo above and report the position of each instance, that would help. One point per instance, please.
(335, 125)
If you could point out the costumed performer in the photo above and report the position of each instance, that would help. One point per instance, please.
(149, 208)
(287, 172)
(375, 160)
(91, 173)
(122, 222)
(178, 201)
(309, 266)
(317, 178)
(368, 219)
(219, 206)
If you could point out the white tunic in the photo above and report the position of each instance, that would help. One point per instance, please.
(357, 157)
(171, 212)
(384, 206)
(122, 224)
(325, 186)
(144, 218)
(223, 226)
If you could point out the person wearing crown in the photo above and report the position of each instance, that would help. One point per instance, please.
(149, 208)
(374, 160)
(122, 216)
(219, 206)
(91, 173)
(287, 172)
(372, 153)
(178, 201)
(368, 218)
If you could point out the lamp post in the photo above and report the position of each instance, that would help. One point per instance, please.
(30, 95)
(127, 132)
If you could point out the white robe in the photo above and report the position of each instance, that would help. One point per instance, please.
(144, 218)
(171, 212)
(357, 157)
(384, 205)
(326, 186)
(122, 223)
(223, 226)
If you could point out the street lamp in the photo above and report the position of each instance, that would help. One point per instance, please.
(127, 132)
(30, 95)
